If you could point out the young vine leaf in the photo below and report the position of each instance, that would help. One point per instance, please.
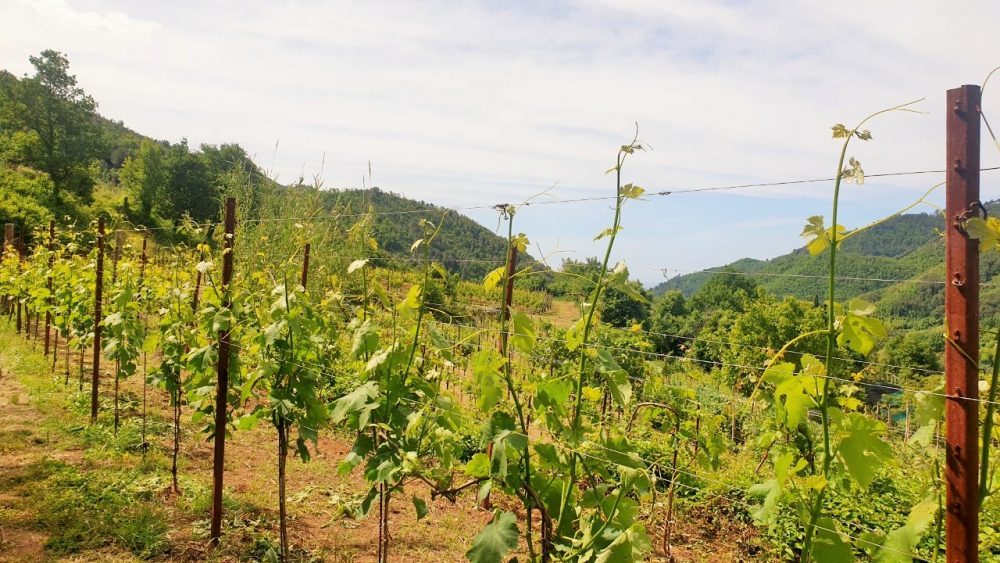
(496, 540)
(819, 237)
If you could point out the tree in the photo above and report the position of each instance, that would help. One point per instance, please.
(189, 189)
(145, 176)
(724, 291)
(59, 115)
(668, 321)
(625, 305)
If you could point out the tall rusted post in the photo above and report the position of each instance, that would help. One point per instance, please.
(48, 283)
(95, 377)
(143, 258)
(305, 265)
(961, 303)
(8, 236)
(197, 285)
(222, 385)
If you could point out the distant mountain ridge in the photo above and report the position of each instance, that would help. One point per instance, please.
(898, 264)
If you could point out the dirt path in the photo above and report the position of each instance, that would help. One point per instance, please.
(20, 445)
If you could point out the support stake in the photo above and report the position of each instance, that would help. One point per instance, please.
(48, 281)
(95, 377)
(222, 385)
(961, 298)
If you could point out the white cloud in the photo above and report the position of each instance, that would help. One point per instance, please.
(464, 103)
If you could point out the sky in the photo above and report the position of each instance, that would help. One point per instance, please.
(477, 103)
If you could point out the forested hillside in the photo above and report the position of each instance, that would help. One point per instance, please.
(907, 248)
(60, 158)
(463, 246)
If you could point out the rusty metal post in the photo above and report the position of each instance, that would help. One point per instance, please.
(305, 265)
(961, 300)
(197, 284)
(143, 258)
(48, 283)
(222, 385)
(95, 377)
(8, 236)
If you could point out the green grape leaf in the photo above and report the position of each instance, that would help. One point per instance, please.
(574, 334)
(617, 378)
(412, 301)
(492, 279)
(928, 413)
(365, 340)
(772, 490)
(793, 399)
(524, 333)
(553, 393)
(818, 235)
(521, 242)
(632, 192)
(608, 232)
(486, 366)
(381, 294)
(628, 547)
(478, 466)
(860, 332)
(860, 308)
(902, 542)
(829, 545)
(987, 231)
(356, 405)
(247, 422)
(855, 173)
(840, 131)
(497, 539)
(778, 373)
(862, 448)
(440, 342)
(420, 506)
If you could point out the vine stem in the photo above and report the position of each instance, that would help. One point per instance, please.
(512, 391)
(831, 344)
(831, 337)
(588, 324)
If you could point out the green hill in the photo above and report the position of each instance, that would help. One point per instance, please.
(901, 261)
(60, 158)
(463, 246)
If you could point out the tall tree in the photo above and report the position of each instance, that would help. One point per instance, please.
(189, 189)
(145, 175)
(59, 115)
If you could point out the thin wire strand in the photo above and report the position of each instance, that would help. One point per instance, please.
(894, 388)
(662, 193)
(650, 464)
(726, 342)
(666, 274)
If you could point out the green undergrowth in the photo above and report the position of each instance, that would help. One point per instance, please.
(94, 508)
(93, 493)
